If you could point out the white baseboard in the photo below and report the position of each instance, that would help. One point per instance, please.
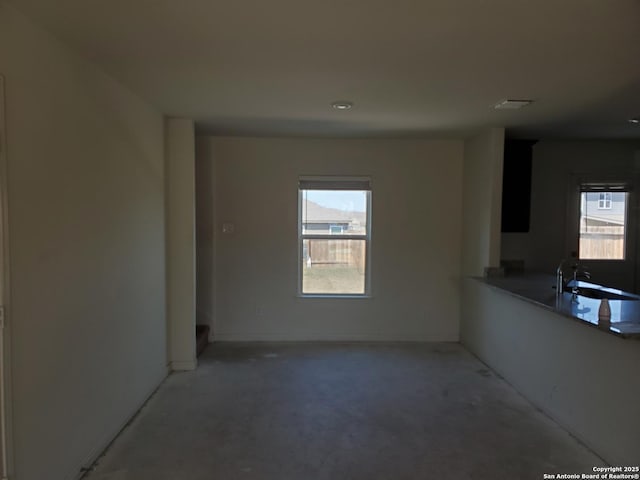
(183, 366)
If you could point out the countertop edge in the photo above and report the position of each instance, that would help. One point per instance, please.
(610, 328)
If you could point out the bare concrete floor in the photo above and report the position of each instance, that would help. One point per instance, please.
(340, 412)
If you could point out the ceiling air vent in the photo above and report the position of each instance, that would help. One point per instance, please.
(511, 104)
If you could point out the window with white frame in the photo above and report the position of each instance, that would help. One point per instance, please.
(603, 221)
(334, 233)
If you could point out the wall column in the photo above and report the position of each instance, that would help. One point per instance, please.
(180, 208)
(482, 201)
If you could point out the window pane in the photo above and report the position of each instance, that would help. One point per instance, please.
(334, 212)
(602, 225)
(333, 266)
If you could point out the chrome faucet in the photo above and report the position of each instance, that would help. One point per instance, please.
(560, 278)
(579, 272)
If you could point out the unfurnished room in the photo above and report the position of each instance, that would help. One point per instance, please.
(292, 240)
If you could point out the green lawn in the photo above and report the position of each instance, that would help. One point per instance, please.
(332, 279)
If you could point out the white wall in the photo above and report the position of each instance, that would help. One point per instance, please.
(583, 378)
(554, 164)
(205, 221)
(181, 269)
(5, 334)
(482, 201)
(86, 214)
(416, 231)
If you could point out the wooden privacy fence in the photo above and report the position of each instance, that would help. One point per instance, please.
(602, 242)
(348, 253)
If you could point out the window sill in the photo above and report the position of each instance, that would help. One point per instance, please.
(586, 260)
(334, 296)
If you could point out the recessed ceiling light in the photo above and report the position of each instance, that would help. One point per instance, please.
(342, 105)
(634, 120)
(510, 104)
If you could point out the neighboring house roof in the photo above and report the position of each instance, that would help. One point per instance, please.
(315, 213)
(604, 221)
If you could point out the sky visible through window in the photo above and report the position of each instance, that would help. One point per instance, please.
(345, 200)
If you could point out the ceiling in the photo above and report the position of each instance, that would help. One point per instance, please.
(412, 68)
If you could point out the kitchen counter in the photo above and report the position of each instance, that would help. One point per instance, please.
(581, 375)
(539, 290)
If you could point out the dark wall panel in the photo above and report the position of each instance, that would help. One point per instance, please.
(516, 186)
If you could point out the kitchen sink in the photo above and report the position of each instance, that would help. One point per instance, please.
(600, 294)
